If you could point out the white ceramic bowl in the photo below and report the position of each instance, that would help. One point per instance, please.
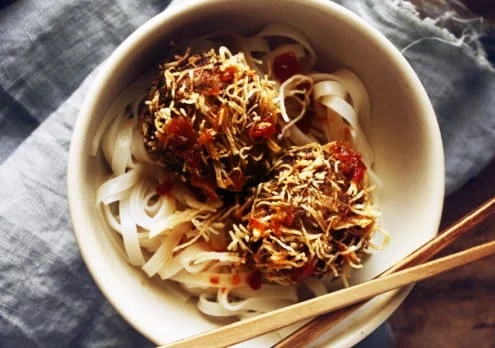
(404, 135)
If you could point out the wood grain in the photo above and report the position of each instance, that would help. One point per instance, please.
(455, 309)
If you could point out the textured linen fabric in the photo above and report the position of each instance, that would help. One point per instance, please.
(47, 50)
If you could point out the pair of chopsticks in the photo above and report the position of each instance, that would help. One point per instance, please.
(408, 271)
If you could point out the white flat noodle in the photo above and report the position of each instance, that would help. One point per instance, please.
(170, 222)
(188, 259)
(342, 108)
(193, 268)
(256, 303)
(208, 305)
(152, 266)
(289, 89)
(151, 223)
(316, 286)
(111, 219)
(151, 245)
(165, 206)
(329, 88)
(224, 53)
(109, 140)
(288, 31)
(359, 97)
(170, 268)
(151, 204)
(228, 257)
(138, 151)
(338, 107)
(129, 234)
(164, 252)
(122, 149)
(138, 204)
(117, 188)
(130, 95)
(180, 260)
(190, 265)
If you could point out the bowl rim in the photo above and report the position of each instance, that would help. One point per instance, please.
(76, 152)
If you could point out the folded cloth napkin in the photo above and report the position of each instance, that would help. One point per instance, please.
(47, 297)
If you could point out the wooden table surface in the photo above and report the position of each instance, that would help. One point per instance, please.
(456, 309)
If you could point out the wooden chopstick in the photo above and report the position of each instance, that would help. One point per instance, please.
(244, 330)
(318, 326)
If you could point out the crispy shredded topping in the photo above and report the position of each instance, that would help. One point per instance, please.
(312, 217)
(212, 121)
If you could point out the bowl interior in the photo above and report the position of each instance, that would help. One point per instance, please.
(404, 136)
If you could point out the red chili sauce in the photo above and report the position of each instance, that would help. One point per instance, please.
(255, 280)
(262, 131)
(214, 280)
(179, 134)
(303, 272)
(229, 74)
(285, 66)
(351, 162)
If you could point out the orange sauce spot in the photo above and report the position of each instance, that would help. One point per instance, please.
(206, 136)
(214, 280)
(262, 131)
(179, 133)
(254, 223)
(228, 74)
(236, 279)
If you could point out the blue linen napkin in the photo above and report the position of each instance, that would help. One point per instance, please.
(47, 50)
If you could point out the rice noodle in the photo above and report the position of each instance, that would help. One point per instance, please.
(289, 32)
(193, 247)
